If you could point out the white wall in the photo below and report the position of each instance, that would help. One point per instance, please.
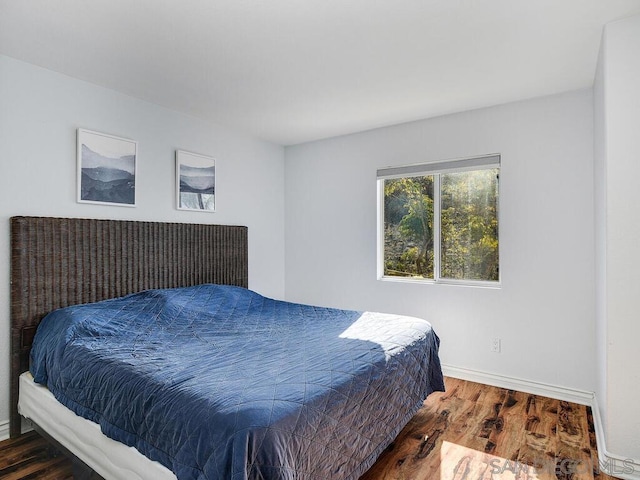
(618, 234)
(544, 311)
(39, 113)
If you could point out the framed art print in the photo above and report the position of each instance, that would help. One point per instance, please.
(195, 182)
(106, 169)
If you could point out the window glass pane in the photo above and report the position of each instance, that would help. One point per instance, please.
(469, 230)
(408, 227)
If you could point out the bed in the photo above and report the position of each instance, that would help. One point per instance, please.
(310, 393)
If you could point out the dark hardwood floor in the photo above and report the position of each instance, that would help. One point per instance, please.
(472, 431)
(30, 456)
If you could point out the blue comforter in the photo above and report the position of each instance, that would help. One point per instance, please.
(218, 382)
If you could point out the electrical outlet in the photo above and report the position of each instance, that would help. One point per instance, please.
(495, 345)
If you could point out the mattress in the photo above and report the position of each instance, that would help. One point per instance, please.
(109, 458)
(218, 382)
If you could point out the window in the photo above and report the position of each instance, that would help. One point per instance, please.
(439, 221)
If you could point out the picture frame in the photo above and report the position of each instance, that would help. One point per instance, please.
(195, 182)
(107, 169)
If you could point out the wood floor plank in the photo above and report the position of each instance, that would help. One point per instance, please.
(573, 429)
(41, 469)
(539, 442)
(31, 457)
(573, 451)
(464, 429)
(507, 438)
(542, 415)
(22, 449)
(489, 406)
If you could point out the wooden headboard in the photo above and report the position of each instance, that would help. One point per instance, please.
(57, 262)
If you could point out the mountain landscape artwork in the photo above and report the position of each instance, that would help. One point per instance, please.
(107, 169)
(196, 180)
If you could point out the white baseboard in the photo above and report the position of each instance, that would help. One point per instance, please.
(582, 397)
(610, 463)
(4, 430)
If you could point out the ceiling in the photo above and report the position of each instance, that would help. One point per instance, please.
(292, 71)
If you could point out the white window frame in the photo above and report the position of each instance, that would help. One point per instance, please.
(435, 169)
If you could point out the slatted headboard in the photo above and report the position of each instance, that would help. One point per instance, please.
(57, 262)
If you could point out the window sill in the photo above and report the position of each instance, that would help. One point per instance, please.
(450, 282)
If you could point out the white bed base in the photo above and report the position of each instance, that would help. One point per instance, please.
(107, 457)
